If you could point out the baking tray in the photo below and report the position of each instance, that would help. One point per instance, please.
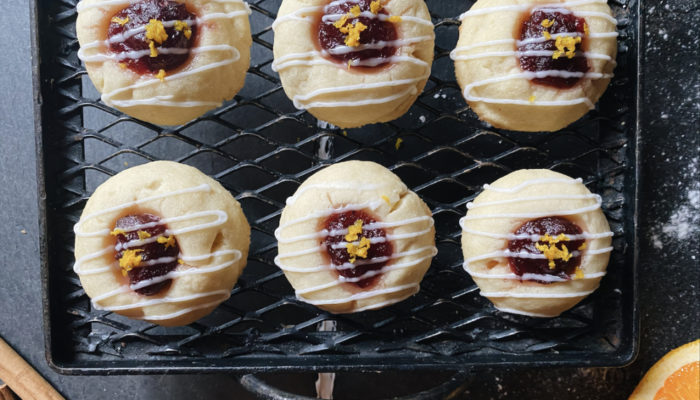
(261, 148)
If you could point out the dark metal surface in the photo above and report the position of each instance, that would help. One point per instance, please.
(446, 390)
(260, 148)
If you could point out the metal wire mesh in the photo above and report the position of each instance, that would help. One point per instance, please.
(261, 148)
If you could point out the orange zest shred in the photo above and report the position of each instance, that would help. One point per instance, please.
(168, 241)
(375, 6)
(355, 11)
(184, 27)
(118, 231)
(353, 31)
(180, 261)
(341, 22)
(585, 28)
(582, 247)
(551, 251)
(354, 250)
(161, 75)
(156, 31)
(547, 35)
(531, 99)
(354, 231)
(579, 273)
(129, 260)
(152, 46)
(566, 45)
(395, 19)
(122, 65)
(143, 235)
(120, 21)
(358, 250)
(386, 199)
(398, 143)
(547, 23)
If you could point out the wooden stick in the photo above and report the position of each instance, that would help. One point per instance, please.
(6, 393)
(22, 378)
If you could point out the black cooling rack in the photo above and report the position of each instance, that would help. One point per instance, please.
(261, 148)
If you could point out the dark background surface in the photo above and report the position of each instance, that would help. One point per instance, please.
(669, 244)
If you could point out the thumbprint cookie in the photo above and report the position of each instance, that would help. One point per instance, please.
(164, 61)
(535, 65)
(354, 238)
(160, 242)
(536, 242)
(353, 62)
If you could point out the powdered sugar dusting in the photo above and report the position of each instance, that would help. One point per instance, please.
(684, 222)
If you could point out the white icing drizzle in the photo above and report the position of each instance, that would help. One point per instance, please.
(524, 7)
(538, 295)
(381, 17)
(532, 182)
(103, 232)
(529, 76)
(311, 58)
(301, 14)
(558, 7)
(471, 206)
(192, 271)
(332, 186)
(81, 6)
(531, 277)
(574, 211)
(221, 218)
(376, 260)
(380, 44)
(165, 100)
(534, 238)
(524, 254)
(427, 252)
(222, 294)
(366, 295)
(529, 53)
(506, 253)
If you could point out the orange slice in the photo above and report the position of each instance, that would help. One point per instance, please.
(675, 377)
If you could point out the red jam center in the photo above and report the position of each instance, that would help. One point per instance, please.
(377, 255)
(369, 51)
(160, 247)
(547, 25)
(128, 37)
(552, 226)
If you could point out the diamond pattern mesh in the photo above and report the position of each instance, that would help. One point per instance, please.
(261, 148)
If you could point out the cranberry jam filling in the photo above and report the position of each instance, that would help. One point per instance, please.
(545, 24)
(135, 259)
(375, 257)
(341, 23)
(169, 34)
(563, 255)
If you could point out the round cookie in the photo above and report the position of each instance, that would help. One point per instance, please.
(354, 238)
(535, 65)
(164, 61)
(536, 242)
(160, 242)
(353, 62)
